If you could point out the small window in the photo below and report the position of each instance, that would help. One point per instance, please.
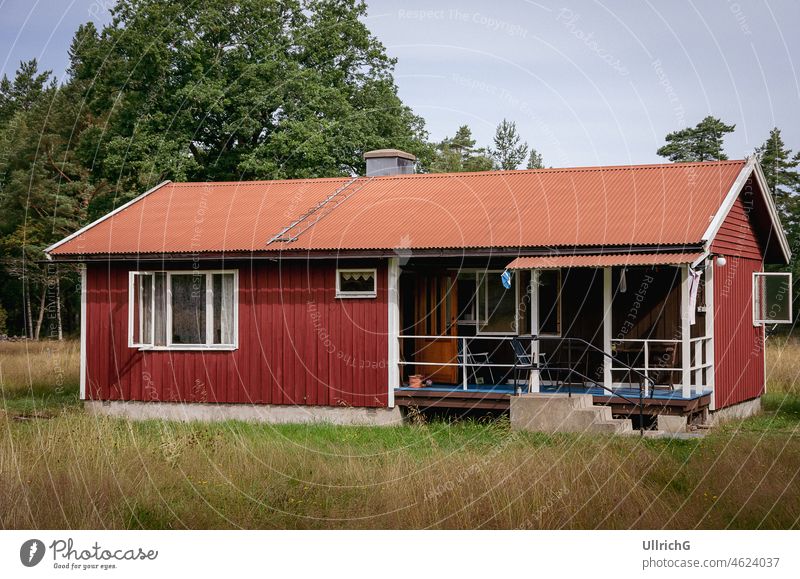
(356, 283)
(550, 302)
(772, 298)
(183, 310)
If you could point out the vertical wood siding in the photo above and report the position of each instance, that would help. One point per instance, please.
(298, 344)
(738, 345)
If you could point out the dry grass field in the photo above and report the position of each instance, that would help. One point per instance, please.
(60, 468)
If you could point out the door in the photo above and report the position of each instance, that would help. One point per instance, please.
(435, 313)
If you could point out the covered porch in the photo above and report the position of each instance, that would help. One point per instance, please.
(629, 329)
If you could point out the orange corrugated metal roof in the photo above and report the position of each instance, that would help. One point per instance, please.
(605, 260)
(670, 204)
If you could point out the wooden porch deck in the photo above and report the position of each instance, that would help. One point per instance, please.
(498, 397)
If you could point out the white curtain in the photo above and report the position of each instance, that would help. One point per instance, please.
(226, 314)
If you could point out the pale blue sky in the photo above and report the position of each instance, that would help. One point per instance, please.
(587, 82)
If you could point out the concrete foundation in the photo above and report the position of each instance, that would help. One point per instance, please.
(195, 411)
(735, 412)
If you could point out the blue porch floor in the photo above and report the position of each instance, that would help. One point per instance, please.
(633, 393)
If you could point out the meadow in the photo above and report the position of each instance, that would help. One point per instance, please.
(62, 468)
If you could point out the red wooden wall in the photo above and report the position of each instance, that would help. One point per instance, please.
(298, 344)
(738, 345)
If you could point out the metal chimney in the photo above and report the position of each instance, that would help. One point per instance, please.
(389, 162)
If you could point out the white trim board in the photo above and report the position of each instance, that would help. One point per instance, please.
(751, 167)
(103, 218)
(83, 332)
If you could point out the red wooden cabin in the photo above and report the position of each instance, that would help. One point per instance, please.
(318, 299)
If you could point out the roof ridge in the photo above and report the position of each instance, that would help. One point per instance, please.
(510, 173)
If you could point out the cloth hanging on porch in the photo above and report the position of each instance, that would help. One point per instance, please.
(623, 280)
(694, 285)
(505, 277)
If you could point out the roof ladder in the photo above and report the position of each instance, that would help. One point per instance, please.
(331, 202)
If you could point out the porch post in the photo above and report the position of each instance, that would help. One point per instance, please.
(686, 355)
(84, 292)
(535, 379)
(607, 306)
(710, 330)
(393, 338)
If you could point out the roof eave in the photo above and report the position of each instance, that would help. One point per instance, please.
(86, 228)
(752, 167)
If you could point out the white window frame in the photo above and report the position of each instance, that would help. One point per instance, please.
(755, 304)
(208, 273)
(351, 294)
(485, 299)
(558, 312)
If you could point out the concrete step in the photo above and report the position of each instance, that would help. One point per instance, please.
(562, 413)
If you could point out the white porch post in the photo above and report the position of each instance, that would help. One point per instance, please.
(710, 330)
(686, 329)
(393, 299)
(535, 378)
(607, 304)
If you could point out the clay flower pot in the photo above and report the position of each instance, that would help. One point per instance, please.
(415, 381)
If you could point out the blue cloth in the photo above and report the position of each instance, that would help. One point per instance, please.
(506, 279)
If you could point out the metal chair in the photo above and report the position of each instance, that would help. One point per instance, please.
(467, 357)
(522, 361)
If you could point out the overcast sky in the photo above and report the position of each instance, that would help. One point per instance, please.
(587, 82)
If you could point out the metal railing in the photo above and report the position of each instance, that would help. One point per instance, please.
(571, 371)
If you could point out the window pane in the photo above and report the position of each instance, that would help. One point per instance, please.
(188, 309)
(160, 310)
(549, 302)
(501, 306)
(357, 281)
(773, 299)
(223, 308)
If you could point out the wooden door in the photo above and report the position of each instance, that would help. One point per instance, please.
(435, 313)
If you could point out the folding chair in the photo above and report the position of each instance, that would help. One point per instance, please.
(467, 357)
(522, 361)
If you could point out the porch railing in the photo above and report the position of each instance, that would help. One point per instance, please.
(698, 358)
(642, 385)
(465, 342)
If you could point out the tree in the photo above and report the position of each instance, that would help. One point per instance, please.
(780, 167)
(203, 91)
(44, 189)
(509, 150)
(24, 91)
(703, 142)
(535, 160)
(459, 154)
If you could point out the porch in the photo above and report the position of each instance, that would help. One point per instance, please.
(635, 336)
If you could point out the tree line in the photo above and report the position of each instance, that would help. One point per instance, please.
(223, 90)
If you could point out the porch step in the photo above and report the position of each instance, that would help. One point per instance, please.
(562, 413)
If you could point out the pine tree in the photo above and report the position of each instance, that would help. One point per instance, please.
(509, 151)
(535, 160)
(703, 142)
(459, 154)
(780, 167)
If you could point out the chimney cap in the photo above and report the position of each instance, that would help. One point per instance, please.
(381, 153)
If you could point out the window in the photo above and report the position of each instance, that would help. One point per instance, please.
(356, 283)
(183, 309)
(497, 306)
(549, 302)
(772, 298)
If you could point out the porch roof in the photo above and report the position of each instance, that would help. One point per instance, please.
(604, 260)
